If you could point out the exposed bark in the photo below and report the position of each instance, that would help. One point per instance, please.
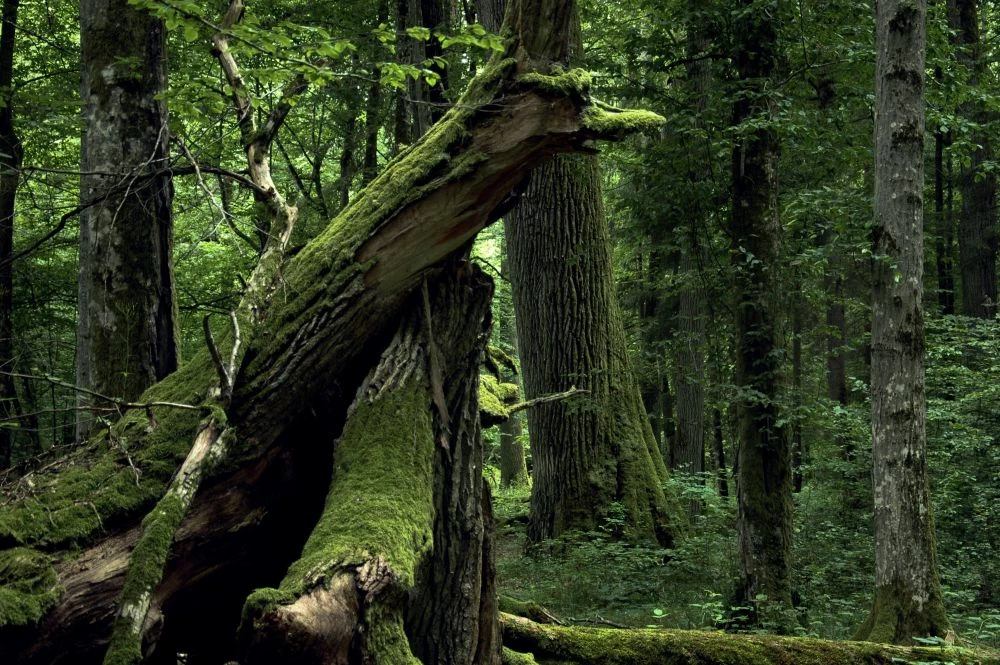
(597, 646)
(325, 322)
(763, 466)
(598, 453)
(908, 601)
(126, 314)
(977, 224)
(374, 546)
(11, 154)
(600, 450)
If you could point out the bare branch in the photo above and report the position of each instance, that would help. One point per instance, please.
(544, 399)
(119, 403)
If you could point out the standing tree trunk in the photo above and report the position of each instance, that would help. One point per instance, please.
(907, 592)
(11, 154)
(763, 466)
(126, 326)
(598, 451)
(690, 382)
(977, 224)
(943, 236)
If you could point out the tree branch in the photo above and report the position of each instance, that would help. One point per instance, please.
(544, 399)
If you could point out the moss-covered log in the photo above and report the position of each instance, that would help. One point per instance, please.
(399, 565)
(608, 646)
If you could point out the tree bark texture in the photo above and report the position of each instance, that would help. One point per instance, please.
(126, 321)
(72, 528)
(763, 465)
(597, 451)
(399, 565)
(908, 600)
(977, 224)
(11, 154)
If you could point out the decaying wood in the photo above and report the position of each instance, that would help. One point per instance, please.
(609, 646)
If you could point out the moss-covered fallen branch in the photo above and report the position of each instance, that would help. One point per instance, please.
(609, 646)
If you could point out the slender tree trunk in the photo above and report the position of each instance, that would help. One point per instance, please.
(689, 446)
(513, 466)
(719, 451)
(977, 231)
(836, 342)
(689, 384)
(908, 600)
(942, 237)
(126, 327)
(798, 442)
(11, 154)
(764, 477)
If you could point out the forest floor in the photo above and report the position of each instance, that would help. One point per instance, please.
(592, 579)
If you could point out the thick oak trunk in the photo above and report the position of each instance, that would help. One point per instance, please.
(598, 452)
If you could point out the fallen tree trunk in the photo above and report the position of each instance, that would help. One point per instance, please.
(67, 532)
(610, 646)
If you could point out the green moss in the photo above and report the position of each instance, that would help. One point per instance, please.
(681, 647)
(386, 637)
(318, 276)
(574, 83)
(495, 397)
(515, 658)
(115, 476)
(261, 602)
(528, 609)
(380, 503)
(609, 122)
(29, 586)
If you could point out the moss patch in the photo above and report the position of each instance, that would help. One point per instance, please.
(610, 122)
(115, 476)
(29, 586)
(380, 503)
(494, 398)
(574, 83)
(681, 647)
(510, 657)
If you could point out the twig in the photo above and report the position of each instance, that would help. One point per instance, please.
(118, 402)
(553, 397)
(225, 381)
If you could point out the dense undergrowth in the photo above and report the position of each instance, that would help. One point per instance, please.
(594, 578)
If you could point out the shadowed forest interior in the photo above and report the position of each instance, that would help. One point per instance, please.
(499, 331)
